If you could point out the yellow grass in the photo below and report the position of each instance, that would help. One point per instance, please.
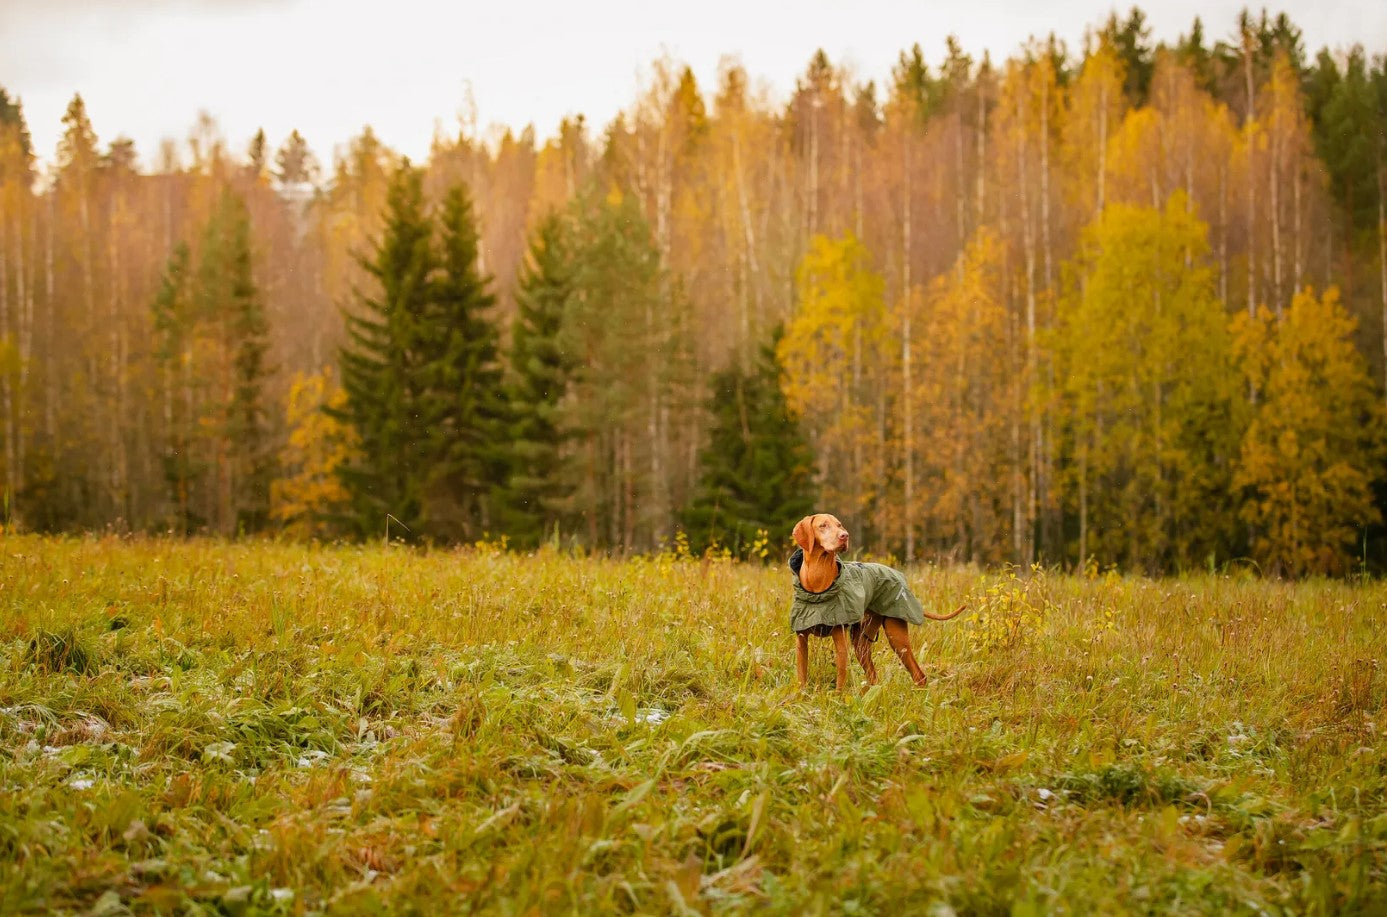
(257, 727)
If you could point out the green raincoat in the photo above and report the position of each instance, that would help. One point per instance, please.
(859, 588)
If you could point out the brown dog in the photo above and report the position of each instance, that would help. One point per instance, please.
(841, 599)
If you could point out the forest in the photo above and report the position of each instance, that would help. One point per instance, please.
(1122, 305)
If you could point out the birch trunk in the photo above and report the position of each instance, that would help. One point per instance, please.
(7, 399)
(1382, 267)
(748, 234)
(981, 188)
(1297, 244)
(1028, 250)
(115, 344)
(814, 166)
(1275, 182)
(907, 405)
(1223, 233)
(1250, 135)
(50, 377)
(1102, 150)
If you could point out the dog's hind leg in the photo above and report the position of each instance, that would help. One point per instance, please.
(840, 655)
(863, 634)
(898, 635)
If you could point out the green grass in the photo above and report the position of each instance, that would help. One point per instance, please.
(248, 728)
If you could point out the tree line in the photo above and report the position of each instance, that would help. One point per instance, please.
(1125, 305)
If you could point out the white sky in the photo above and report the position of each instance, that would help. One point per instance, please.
(328, 67)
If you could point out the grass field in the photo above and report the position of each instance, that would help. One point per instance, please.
(252, 727)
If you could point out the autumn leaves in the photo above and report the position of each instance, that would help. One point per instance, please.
(1171, 434)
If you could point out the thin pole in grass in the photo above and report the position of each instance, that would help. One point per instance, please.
(389, 517)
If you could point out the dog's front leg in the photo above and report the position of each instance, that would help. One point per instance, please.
(840, 654)
(802, 658)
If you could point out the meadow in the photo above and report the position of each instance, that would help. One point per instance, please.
(253, 727)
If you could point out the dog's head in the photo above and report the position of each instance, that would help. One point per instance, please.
(821, 533)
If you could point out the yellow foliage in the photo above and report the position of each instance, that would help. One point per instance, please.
(1182, 141)
(1147, 386)
(1313, 450)
(1011, 612)
(838, 356)
(1096, 107)
(967, 401)
(318, 445)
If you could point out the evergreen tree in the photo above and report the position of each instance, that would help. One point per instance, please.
(248, 423)
(460, 402)
(173, 339)
(1131, 39)
(378, 367)
(228, 297)
(1191, 51)
(1349, 128)
(756, 468)
(540, 370)
(14, 131)
(294, 163)
(256, 156)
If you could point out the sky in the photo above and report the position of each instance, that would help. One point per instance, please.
(410, 68)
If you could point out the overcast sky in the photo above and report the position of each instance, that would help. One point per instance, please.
(328, 67)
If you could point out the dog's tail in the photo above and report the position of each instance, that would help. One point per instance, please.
(948, 617)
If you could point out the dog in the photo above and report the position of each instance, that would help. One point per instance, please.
(849, 600)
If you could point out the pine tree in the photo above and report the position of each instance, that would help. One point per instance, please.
(540, 370)
(378, 369)
(460, 403)
(756, 469)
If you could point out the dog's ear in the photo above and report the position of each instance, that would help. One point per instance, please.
(804, 534)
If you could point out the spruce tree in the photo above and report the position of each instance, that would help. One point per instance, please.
(1349, 128)
(756, 468)
(379, 366)
(13, 129)
(174, 319)
(460, 401)
(540, 368)
(227, 296)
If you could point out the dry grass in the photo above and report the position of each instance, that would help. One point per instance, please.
(253, 727)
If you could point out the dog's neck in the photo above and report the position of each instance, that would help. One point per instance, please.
(819, 570)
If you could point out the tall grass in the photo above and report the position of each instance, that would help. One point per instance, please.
(257, 727)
